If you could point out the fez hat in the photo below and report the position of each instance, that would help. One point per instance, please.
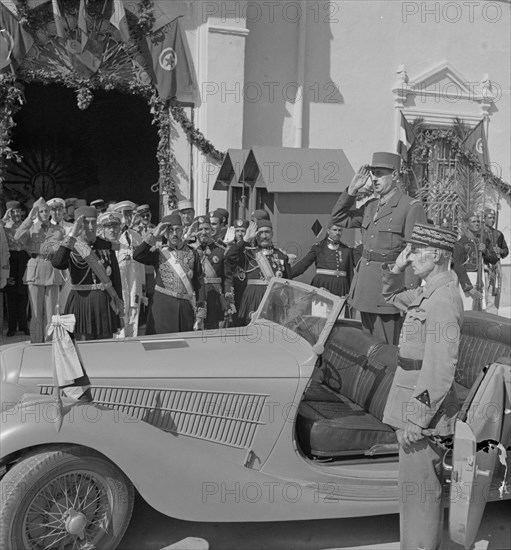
(260, 215)
(13, 205)
(222, 213)
(202, 219)
(172, 219)
(110, 218)
(436, 237)
(489, 212)
(264, 223)
(87, 211)
(80, 202)
(185, 205)
(56, 202)
(240, 222)
(390, 161)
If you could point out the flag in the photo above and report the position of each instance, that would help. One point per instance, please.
(15, 41)
(119, 20)
(168, 59)
(58, 16)
(406, 138)
(476, 144)
(82, 23)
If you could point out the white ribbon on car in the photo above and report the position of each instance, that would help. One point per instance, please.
(67, 366)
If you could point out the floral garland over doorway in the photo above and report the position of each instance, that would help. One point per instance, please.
(122, 69)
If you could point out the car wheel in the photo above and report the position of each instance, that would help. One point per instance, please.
(64, 498)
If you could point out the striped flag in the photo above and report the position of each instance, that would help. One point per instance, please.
(406, 138)
(58, 15)
(15, 41)
(119, 20)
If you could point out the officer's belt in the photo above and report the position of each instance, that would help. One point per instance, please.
(409, 364)
(96, 286)
(377, 257)
(179, 295)
(333, 272)
(213, 280)
(252, 282)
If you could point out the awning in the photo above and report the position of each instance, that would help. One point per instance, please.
(292, 170)
(231, 168)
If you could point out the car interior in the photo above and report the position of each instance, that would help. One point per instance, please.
(340, 415)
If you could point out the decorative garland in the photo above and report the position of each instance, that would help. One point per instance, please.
(11, 95)
(425, 140)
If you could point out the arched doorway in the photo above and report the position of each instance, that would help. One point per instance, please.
(107, 151)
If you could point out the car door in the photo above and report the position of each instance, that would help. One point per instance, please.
(482, 434)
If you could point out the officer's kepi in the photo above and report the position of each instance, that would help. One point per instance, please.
(427, 235)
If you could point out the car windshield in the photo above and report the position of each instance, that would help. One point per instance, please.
(307, 311)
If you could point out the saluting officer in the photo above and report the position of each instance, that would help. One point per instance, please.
(422, 395)
(386, 222)
(334, 264)
(179, 280)
(212, 260)
(260, 262)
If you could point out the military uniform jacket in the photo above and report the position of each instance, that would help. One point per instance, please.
(215, 255)
(243, 255)
(385, 229)
(431, 333)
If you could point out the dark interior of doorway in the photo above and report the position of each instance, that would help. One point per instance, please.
(107, 151)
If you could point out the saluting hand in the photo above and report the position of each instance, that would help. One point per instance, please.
(251, 232)
(77, 228)
(404, 260)
(229, 235)
(359, 180)
(159, 230)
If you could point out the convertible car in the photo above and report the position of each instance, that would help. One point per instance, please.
(280, 420)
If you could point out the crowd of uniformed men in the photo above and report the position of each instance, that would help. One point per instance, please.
(107, 264)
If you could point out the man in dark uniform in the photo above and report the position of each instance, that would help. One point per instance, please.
(493, 272)
(179, 280)
(386, 222)
(334, 264)
(16, 291)
(422, 400)
(259, 262)
(470, 252)
(212, 260)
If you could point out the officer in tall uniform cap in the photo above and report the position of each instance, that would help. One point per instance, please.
(142, 220)
(212, 260)
(386, 222)
(16, 291)
(334, 263)
(179, 280)
(259, 263)
(259, 215)
(422, 395)
(187, 213)
(497, 244)
(132, 272)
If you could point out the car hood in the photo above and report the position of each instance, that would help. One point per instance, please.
(255, 351)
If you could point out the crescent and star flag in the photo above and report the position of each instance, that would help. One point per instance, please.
(406, 138)
(476, 143)
(119, 20)
(15, 41)
(171, 68)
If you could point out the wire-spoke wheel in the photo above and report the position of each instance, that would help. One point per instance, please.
(64, 499)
